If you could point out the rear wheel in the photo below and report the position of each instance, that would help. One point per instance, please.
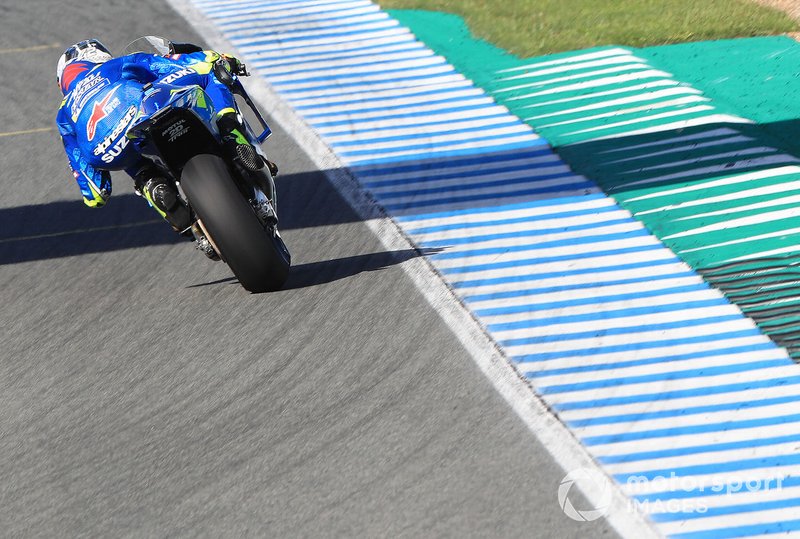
(256, 255)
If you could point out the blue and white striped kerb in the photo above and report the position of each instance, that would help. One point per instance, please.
(654, 371)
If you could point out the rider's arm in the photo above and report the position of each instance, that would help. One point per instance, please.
(95, 184)
(203, 61)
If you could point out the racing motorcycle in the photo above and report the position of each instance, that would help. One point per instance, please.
(233, 210)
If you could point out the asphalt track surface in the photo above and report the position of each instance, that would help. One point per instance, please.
(144, 392)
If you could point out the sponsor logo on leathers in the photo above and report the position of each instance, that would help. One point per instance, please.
(99, 111)
(84, 91)
(119, 128)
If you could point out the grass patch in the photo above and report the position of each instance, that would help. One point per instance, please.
(537, 27)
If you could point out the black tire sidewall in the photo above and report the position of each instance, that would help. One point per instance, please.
(249, 249)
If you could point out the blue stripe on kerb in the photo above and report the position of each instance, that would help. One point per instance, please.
(228, 8)
(777, 482)
(298, 51)
(534, 276)
(684, 494)
(685, 393)
(660, 360)
(367, 51)
(261, 36)
(416, 136)
(513, 220)
(436, 175)
(581, 240)
(469, 192)
(338, 79)
(238, 28)
(301, 43)
(691, 429)
(699, 449)
(351, 29)
(376, 126)
(594, 300)
(693, 410)
(226, 13)
(433, 154)
(411, 205)
(605, 332)
(778, 461)
(438, 95)
(334, 68)
(448, 109)
(636, 346)
(600, 315)
(521, 233)
(474, 186)
(335, 15)
(493, 266)
(741, 531)
(338, 85)
(422, 166)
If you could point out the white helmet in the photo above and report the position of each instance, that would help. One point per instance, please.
(90, 50)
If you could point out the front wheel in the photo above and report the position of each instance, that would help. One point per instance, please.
(257, 256)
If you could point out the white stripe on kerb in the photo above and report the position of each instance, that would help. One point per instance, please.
(362, 22)
(605, 81)
(743, 397)
(570, 59)
(659, 353)
(747, 207)
(689, 420)
(614, 60)
(594, 95)
(665, 386)
(354, 46)
(279, 11)
(313, 68)
(643, 108)
(410, 115)
(775, 234)
(635, 68)
(725, 181)
(410, 85)
(791, 213)
(736, 195)
(683, 148)
(647, 96)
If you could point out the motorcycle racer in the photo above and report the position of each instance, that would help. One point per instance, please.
(94, 111)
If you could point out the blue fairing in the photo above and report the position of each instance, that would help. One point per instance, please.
(162, 96)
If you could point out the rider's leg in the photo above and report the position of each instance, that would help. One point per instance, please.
(162, 195)
(232, 130)
(236, 144)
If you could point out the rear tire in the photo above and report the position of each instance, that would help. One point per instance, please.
(253, 253)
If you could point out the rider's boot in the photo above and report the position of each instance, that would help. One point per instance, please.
(163, 196)
(237, 146)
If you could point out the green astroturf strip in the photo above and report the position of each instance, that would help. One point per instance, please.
(717, 178)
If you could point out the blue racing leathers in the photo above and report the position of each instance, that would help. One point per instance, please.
(102, 100)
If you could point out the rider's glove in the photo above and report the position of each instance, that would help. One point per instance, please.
(98, 201)
(235, 66)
